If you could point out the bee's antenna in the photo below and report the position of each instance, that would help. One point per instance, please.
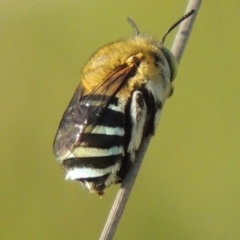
(177, 23)
(133, 25)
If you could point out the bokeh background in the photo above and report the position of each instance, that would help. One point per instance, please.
(189, 184)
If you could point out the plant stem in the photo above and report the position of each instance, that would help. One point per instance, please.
(128, 181)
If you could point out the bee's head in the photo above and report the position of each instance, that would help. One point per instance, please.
(172, 62)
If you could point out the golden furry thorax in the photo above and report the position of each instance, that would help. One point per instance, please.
(154, 63)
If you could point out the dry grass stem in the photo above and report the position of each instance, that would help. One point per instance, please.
(128, 182)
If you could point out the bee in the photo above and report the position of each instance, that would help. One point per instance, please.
(118, 102)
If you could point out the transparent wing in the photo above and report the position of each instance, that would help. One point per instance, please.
(83, 112)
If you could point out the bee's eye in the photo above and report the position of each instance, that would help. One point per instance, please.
(171, 62)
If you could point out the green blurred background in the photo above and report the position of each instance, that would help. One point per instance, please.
(188, 186)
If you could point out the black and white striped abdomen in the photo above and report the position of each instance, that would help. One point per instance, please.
(97, 149)
(101, 151)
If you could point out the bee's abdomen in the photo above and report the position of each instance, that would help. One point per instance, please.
(100, 152)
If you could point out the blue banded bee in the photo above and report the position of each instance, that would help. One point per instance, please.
(118, 102)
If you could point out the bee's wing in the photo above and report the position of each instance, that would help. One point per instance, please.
(83, 112)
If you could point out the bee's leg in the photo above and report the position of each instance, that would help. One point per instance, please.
(138, 116)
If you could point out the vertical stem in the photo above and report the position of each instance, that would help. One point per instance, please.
(184, 30)
(128, 182)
